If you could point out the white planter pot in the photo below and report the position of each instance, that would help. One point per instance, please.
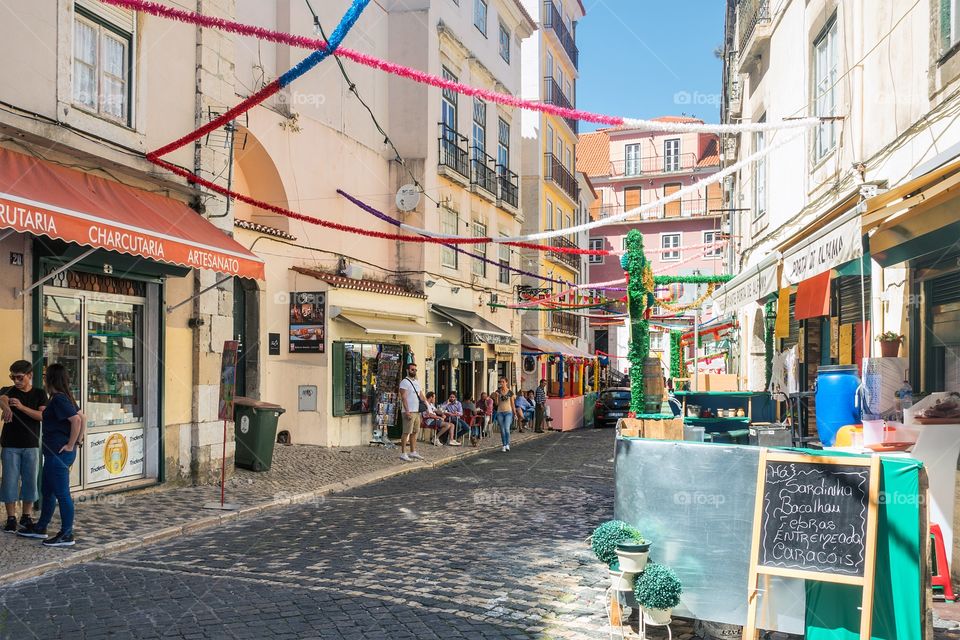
(621, 580)
(656, 617)
(633, 561)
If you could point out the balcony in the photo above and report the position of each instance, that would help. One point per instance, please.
(565, 323)
(692, 208)
(553, 20)
(561, 176)
(653, 165)
(754, 28)
(571, 260)
(553, 94)
(454, 160)
(509, 187)
(483, 172)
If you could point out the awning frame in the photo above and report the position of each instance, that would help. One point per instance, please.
(53, 274)
(336, 312)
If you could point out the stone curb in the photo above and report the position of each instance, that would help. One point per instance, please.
(243, 513)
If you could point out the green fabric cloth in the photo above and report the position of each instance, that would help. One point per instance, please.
(898, 601)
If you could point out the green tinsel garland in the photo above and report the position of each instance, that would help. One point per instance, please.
(691, 279)
(676, 355)
(769, 311)
(638, 300)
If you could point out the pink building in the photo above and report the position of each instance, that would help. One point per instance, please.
(631, 168)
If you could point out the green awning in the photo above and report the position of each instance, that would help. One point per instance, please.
(858, 267)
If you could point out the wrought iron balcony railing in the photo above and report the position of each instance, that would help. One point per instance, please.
(484, 172)
(561, 176)
(453, 151)
(552, 19)
(650, 165)
(553, 94)
(750, 13)
(565, 323)
(509, 186)
(571, 260)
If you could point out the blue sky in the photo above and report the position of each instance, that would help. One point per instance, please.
(644, 58)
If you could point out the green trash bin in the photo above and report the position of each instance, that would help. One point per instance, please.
(255, 427)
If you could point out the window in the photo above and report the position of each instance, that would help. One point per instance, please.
(101, 68)
(354, 378)
(549, 221)
(504, 43)
(557, 218)
(480, 15)
(596, 244)
(504, 257)
(631, 164)
(656, 340)
(825, 89)
(568, 159)
(949, 27)
(549, 69)
(479, 128)
(479, 266)
(710, 237)
(670, 242)
(759, 175)
(503, 144)
(448, 107)
(569, 94)
(549, 145)
(567, 224)
(671, 154)
(449, 224)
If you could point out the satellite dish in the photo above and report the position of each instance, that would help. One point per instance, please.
(408, 197)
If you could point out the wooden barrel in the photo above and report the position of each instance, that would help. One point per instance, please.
(652, 385)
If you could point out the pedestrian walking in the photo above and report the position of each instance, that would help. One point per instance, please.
(506, 409)
(21, 406)
(63, 426)
(414, 403)
(540, 407)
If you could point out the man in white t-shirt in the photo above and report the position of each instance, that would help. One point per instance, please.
(412, 395)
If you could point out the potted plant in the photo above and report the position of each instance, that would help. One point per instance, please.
(889, 344)
(632, 554)
(604, 542)
(657, 591)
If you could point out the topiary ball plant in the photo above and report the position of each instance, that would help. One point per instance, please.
(658, 587)
(608, 535)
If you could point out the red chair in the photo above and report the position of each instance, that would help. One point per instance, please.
(941, 578)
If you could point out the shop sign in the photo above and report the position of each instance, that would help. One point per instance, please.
(115, 455)
(273, 344)
(307, 322)
(756, 287)
(228, 379)
(491, 338)
(838, 245)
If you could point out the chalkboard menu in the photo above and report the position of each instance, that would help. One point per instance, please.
(814, 517)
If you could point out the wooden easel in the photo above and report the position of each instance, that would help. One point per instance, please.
(870, 543)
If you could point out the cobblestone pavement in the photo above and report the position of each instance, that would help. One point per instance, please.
(492, 546)
(127, 519)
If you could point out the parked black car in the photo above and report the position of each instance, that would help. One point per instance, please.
(612, 404)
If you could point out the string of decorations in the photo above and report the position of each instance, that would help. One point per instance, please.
(679, 308)
(304, 42)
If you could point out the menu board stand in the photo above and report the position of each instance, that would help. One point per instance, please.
(387, 393)
(815, 519)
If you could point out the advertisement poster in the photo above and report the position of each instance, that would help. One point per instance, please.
(118, 454)
(228, 379)
(307, 316)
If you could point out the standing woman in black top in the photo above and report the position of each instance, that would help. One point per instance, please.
(62, 430)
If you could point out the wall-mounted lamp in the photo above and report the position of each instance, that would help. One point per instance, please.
(430, 283)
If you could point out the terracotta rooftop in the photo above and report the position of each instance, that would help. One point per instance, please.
(373, 286)
(710, 157)
(593, 153)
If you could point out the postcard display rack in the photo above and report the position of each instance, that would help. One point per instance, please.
(388, 379)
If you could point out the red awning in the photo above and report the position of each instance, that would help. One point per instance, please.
(813, 297)
(46, 199)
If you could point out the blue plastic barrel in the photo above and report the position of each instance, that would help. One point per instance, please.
(836, 400)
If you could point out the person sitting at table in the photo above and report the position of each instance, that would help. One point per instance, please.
(524, 410)
(453, 412)
(432, 419)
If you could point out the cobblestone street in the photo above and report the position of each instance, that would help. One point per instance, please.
(488, 547)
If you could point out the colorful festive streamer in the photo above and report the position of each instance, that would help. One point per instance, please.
(192, 17)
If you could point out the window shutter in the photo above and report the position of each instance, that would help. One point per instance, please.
(337, 378)
(852, 298)
(945, 20)
(123, 19)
